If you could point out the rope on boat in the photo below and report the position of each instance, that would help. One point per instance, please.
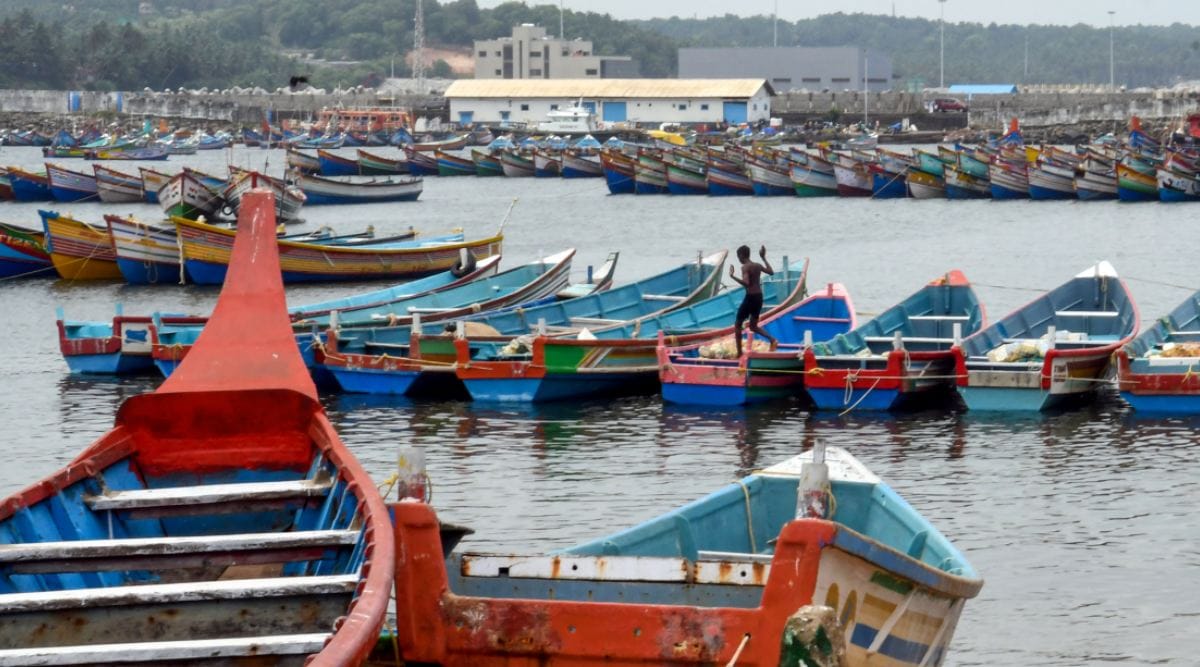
(850, 392)
(738, 653)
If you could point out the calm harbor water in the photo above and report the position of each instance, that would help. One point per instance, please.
(1081, 523)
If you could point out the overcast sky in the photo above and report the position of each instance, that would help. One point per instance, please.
(1069, 12)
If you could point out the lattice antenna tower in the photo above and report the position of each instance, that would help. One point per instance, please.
(419, 48)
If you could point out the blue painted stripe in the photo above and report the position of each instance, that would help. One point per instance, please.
(893, 647)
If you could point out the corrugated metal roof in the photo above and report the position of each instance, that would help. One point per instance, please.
(606, 88)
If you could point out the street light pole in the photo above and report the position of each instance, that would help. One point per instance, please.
(775, 26)
(942, 44)
(1112, 60)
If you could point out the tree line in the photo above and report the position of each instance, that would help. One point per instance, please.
(132, 44)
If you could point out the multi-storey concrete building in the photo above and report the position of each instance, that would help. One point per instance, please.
(531, 54)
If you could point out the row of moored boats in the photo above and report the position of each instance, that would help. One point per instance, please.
(223, 521)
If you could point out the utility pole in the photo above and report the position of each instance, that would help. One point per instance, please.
(419, 48)
(775, 26)
(1025, 79)
(942, 44)
(1112, 60)
(562, 34)
(866, 88)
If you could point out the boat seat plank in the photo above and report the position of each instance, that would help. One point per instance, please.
(208, 494)
(813, 318)
(196, 591)
(907, 339)
(1185, 333)
(168, 546)
(152, 652)
(662, 297)
(1086, 313)
(940, 318)
(732, 556)
(584, 321)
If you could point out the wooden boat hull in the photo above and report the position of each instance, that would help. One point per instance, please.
(70, 186)
(230, 463)
(1135, 186)
(853, 181)
(886, 185)
(1008, 183)
(331, 164)
(619, 172)
(1156, 372)
(486, 164)
(577, 165)
(185, 196)
(1095, 303)
(453, 165)
(28, 186)
(688, 378)
(23, 253)
(961, 185)
(206, 252)
(808, 181)
(649, 175)
(723, 182)
(1049, 183)
(115, 187)
(697, 590)
(146, 254)
(320, 191)
(370, 164)
(78, 250)
(303, 162)
(684, 181)
(771, 181)
(121, 347)
(922, 185)
(152, 182)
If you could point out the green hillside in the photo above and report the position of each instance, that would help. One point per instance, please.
(131, 44)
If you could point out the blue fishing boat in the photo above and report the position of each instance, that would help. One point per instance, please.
(532, 283)
(711, 373)
(1051, 352)
(903, 358)
(23, 253)
(812, 561)
(331, 164)
(71, 186)
(619, 172)
(1157, 372)
(221, 520)
(28, 185)
(421, 163)
(393, 360)
(610, 358)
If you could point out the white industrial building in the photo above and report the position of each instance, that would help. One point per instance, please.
(532, 54)
(645, 101)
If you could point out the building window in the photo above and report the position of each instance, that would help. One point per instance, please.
(499, 73)
(754, 107)
(483, 54)
(504, 114)
(782, 82)
(811, 79)
(683, 107)
(535, 54)
(590, 72)
(566, 53)
(840, 80)
(524, 107)
(554, 107)
(499, 54)
(535, 72)
(704, 107)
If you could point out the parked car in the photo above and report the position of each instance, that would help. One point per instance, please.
(948, 104)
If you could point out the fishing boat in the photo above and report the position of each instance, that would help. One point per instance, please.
(517, 164)
(1136, 180)
(1157, 371)
(152, 182)
(141, 154)
(487, 163)
(924, 185)
(117, 187)
(961, 185)
(205, 250)
(650, 173)
(78, 250)
(400, 360)
(619, 172)
(563, 362)
(812, 561)
(1008, 180)
(686, 176)
(136, 343)
(449, 164)
(547, 164)
(220, 520)
(1051, 352)
(421, 163)
(726, 178)
(578, 163)
(1177, 186)
(1096, 179)
(186, 196)
(1050, 179)
(332, 164)
(146, 254)
(6, 193)
(711, 373)
(29, 186)
(812, 176)
(901, 359)
(770, 179)
(319, 190)
(23, 253)
(889, 174)
(853, 178)
(453, 143)
(70, 186)
(303, 162)
(370, 164)
(288, 199)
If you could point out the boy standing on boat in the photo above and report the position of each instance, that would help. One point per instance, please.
(752, 303)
